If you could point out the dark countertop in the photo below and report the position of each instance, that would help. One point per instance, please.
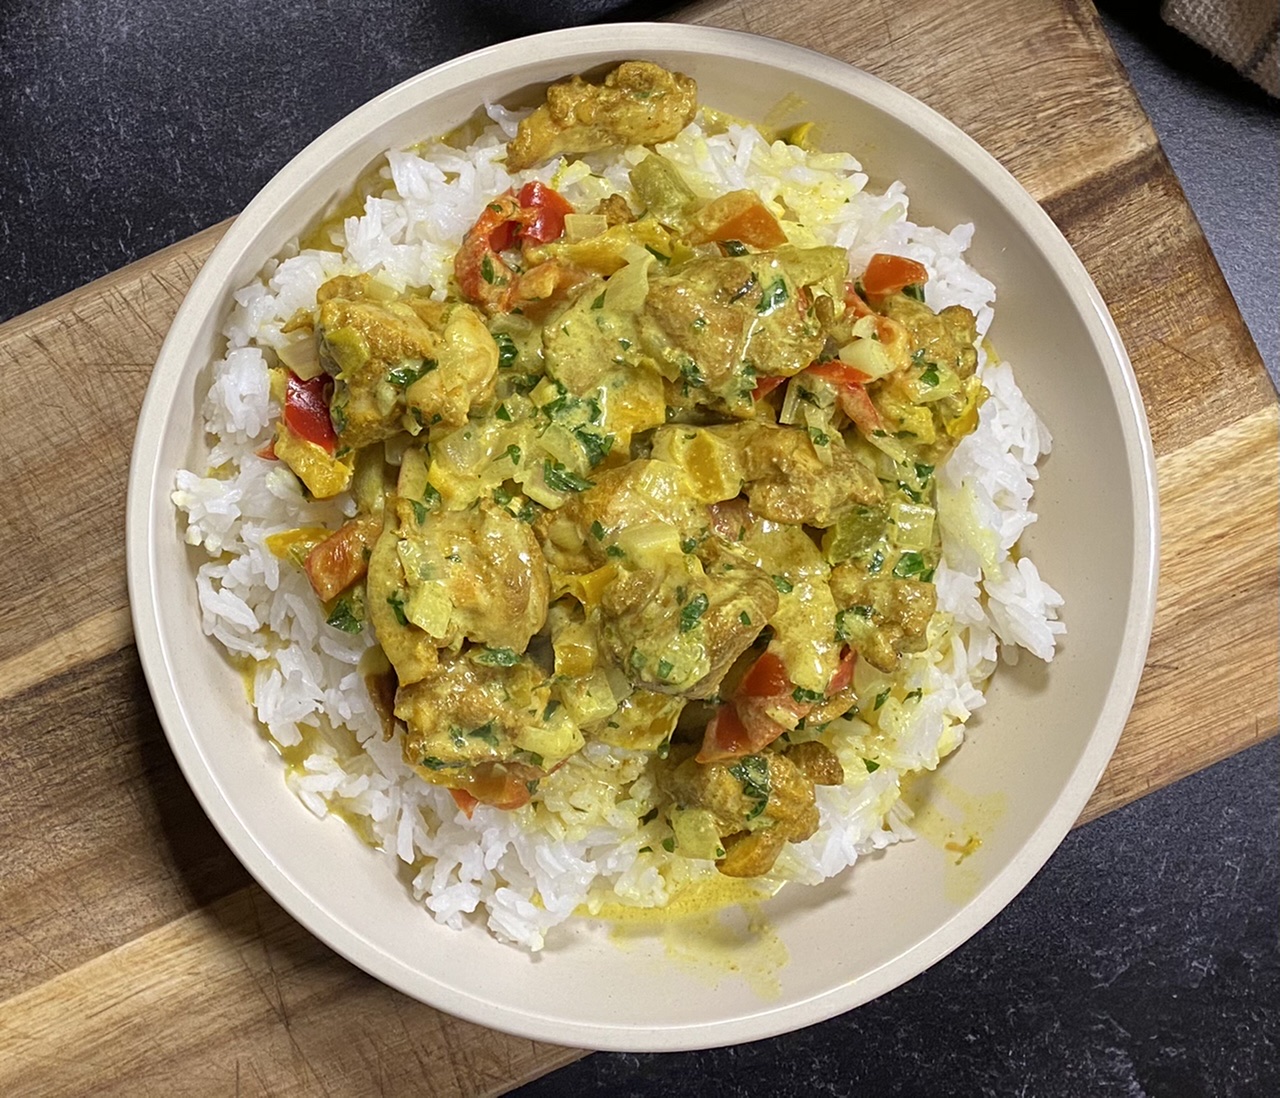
(1143, 959)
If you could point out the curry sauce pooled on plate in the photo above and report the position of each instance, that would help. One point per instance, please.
(638, 497)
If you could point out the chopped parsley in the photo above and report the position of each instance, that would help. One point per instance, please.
(669, 844)
(784, 585)
(915, 291)
(811, 697)
(397, 604)
(343, 618)
(688, 545)
(497, 657)
(513, 452)
(752, 773)
(597, 447)
(693, 611)
(406, 375)
(665, 667)
(597, 530)
(503, 414)
(881, 698)
(929, 376)
(745, 618)
(773, 298)
(912, 564)
(560, 479)
(871, 765)
(508, 352)
(486, 270)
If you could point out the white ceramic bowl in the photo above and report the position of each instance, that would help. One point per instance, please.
(1034, 753)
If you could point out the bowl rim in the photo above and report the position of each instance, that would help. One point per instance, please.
(145, 483)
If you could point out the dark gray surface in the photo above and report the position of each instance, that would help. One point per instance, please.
(1143, 958)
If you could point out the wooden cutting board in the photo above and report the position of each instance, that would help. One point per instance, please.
(136, 954)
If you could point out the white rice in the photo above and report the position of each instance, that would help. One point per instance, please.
(526, 871)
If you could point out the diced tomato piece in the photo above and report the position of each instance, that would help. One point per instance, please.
(726, 736)
(838, 372)
(542, 213)
(483, 276)
(857, 405)
(766, 679)
(765, 386)
(464, 801)
(343, 557)
(741, 216)
(854, 303)
(306, 411)
(887, 274)
(844, 673)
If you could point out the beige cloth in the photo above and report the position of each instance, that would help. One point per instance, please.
(1244, 33)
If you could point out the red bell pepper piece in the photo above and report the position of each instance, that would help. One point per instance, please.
(306, 411)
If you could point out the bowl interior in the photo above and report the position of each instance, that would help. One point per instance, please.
(1033, 754)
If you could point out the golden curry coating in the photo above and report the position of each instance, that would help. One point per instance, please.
(675, 494)
(639, 103)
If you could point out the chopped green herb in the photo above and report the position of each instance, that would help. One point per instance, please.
(914, 695)
(549, 712)
(597, 447)
(881, 698)
(486, 270)
(875, 563)
(819, 438)
(693, 611)
(484, 732)
(501, 496)
(847, 622)
(692, 374)
(560, 479)
(615, 551)
(923, 472)
(929, 376)
(912, 564)
(397, 604)
(419, 511)
(663, 259)
(773, 297)
(433, 763)
(915, 291)
(508, 352)
(513, 452)
(745, 618)
(811, 697)
(497, 657)
(752, 773)
(645, 850)
(665, 667)
(406, 375)
(744, 289)
(597, 530)
(688, 545)
(598, 303)
(503, 414)
(784, 585)
(669, 844)
(871, 765)
(342, 617)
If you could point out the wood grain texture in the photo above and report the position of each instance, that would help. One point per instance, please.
(136, 956)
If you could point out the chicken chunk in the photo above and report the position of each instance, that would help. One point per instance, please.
(883, 617)
(400, 364)
(639, 103)
(786, 481)
(757, 803)
(675, 626)
(477, 574)
(480, 707)
(718, 324)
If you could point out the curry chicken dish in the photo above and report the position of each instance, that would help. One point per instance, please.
(649, 475)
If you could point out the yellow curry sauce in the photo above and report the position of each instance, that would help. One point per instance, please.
(650, 475)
